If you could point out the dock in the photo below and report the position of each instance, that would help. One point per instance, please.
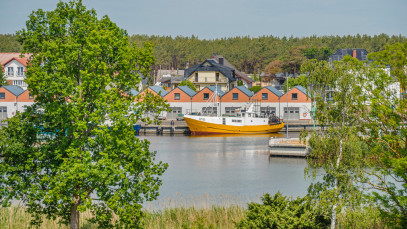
(292, 147)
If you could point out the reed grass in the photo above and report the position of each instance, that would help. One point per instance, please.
(193, 213)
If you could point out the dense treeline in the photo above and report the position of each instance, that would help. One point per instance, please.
(251, 55)
(248, 54)
(9, 43)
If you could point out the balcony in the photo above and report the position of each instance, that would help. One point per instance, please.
(10, 73)
(20, 74)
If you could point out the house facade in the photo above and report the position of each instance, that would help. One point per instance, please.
(203, 101)
(269, 100)
(180, 100)
(295, 104)
(238, 97)
(14, 68)
(210, 73)
(12, 99)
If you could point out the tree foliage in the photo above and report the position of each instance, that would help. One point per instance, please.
(365, 110)
(337, 148)
(248, 54)
(279, 211)
(187, 83)
(255, 89)
(301, 80)
(61, 156)
(384, 125)
(2, 77)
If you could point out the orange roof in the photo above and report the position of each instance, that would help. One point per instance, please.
(6, 57)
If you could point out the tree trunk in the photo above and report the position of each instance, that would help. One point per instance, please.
(333, 217)
(75, 215)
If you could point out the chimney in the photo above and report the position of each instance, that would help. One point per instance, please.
(221, 61)
(354, 54)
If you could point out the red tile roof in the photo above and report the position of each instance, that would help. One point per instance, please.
(6, 57)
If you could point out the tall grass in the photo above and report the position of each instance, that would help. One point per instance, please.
(214, 217)
(184, 213)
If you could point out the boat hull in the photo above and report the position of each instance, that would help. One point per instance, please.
(200, 127)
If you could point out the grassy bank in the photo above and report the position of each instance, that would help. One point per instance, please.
(213, 217)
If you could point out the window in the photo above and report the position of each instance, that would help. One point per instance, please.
(264, 96)
(196, 77)
(176, 96)
(10, 71)
(20, 83)
(268, 110)
(2, 95)
(294, 96)
(231, 111)
(206, 96)
(217, 76)
(235, 96)
(197, 87)
(20, 71)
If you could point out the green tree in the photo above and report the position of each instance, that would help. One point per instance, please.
(2, 77)
(317, 53)
(187, 83)
(292, 60)
(385, 130)
(301, 80)
(337, 149)
(255, 89)
(61, 157)
(279, 211)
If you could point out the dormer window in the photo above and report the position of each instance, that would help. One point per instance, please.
(217, 77)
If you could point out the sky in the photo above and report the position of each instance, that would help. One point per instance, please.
(211, 19)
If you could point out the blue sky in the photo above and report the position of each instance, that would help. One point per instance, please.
(211, 19)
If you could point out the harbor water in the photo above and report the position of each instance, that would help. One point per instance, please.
(224, 169)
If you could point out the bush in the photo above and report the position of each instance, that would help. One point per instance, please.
(280, 212)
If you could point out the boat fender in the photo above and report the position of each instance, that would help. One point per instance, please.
(304, 114)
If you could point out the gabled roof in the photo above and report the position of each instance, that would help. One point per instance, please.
(159, 90)
(7, 56)
(302, 89)
(219, 90)
(133, 92)
(361, 54)
(245, 90)
(14, 89)
(274, 90)
(228, 64)
(187, 90)
(211, 66)
(22, 61)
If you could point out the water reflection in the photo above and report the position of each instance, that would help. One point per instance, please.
(232, 166)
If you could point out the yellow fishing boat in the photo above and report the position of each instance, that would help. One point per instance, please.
(245, 122)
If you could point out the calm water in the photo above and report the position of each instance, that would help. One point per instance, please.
(224, 169)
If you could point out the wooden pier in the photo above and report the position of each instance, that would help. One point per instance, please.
(283, 147)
